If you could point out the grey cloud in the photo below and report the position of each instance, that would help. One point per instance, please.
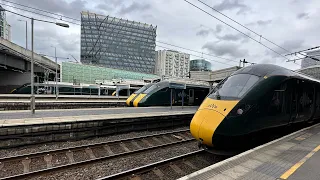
(218, 28)
(230, 49)
(290, 45)
(230, 5)
(293, 44)
(207, 31)
(103, 7)
(263, 23)
(232, 37)
(66, 44)
(66, 8)
(260, 23)
(203, 32)
(303, 16)
(108, 5)
(134, 7)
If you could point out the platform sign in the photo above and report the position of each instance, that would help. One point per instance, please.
(177, 85)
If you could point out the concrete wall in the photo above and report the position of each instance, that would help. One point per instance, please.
(11, 79)
(14, 62)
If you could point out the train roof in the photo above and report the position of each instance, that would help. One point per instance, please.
(166, 83)
(262, 70)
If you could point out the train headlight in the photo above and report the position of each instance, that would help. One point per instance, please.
(239, 111)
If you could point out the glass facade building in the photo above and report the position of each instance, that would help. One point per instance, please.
(80, 73)
(200, 65)
(117, 43)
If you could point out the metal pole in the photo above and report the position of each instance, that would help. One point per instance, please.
(26, 34)
(32, 100)
(55, 55)
(171, 99)
(182, 97)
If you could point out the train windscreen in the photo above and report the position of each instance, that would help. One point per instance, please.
(234, 87)
(153, 87)
(142, 89)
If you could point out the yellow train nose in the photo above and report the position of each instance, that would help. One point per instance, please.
(207, 119)
(203, 125)
(130, 98)
(138, 99)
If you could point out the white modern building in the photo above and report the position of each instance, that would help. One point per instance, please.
(172, 63)
(307, 62)
(5, 28)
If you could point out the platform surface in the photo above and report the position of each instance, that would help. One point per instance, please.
(24, 117)
(293, 157)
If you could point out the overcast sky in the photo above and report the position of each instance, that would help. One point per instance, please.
(292, 24)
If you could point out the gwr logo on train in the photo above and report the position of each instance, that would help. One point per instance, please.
(212, 106)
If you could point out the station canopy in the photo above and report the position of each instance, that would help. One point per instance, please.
(80, 73)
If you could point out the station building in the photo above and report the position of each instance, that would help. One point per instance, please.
(200, 65)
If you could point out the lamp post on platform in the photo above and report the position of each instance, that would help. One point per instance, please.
(26, 31)
(32, 98)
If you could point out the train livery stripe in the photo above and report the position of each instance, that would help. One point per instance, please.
(114, 93)
(130, 98)
(207, 119)
(138, 99)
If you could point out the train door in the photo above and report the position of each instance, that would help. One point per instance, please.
(191, 96)
(303, 101)
(278, 108)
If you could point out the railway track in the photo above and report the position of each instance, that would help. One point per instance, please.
(40, 163)
(172, 168)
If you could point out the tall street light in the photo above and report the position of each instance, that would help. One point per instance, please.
(56, 60)
(26, 31)
(56, 79)
(32, 98)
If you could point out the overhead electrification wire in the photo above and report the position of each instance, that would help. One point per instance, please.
(244, 26)
(195, 51)
(38, 13)
(200, 57)
(41, 14)
(41, 10)
(235, 29)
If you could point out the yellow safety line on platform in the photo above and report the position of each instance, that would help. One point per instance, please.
(297, 165)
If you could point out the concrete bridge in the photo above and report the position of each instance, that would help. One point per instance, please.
(15, 65)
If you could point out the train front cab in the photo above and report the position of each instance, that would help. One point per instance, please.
(242, 108)
(218, 105)
(134, 95)
(159, 95)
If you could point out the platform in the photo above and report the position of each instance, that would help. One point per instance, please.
(24, 117)
(293, 157)
(19, 128)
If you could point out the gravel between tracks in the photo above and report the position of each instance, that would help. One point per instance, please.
(117, 165)
(58, 145)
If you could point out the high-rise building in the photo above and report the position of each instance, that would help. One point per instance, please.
(307, 62)
(172, 63)
(200, 65)
(5, 28)
(117, 43)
